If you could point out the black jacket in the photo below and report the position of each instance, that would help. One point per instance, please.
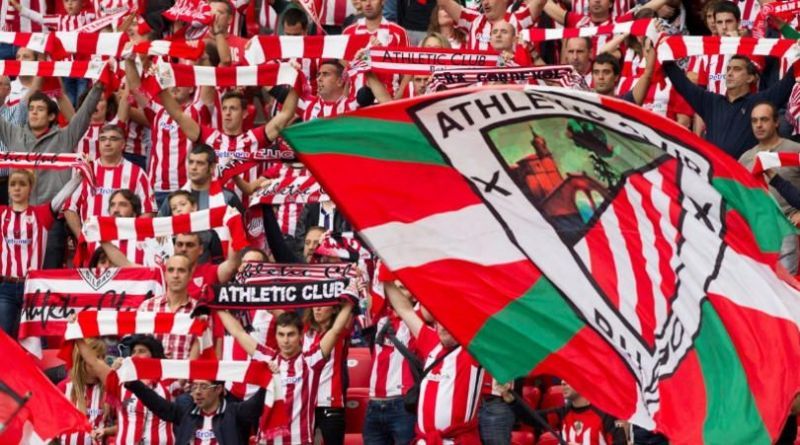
(728, 123)
(232, 422)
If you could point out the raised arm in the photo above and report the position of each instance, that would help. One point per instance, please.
(189, 127)
(281, 120)
(378, 88)
(232, 325)
(556, 12)
(452, 8)
(695, 96)
(227, 269)
(115, 256)
(779, 93)
(27, 12)
(162, 408)
(80, 122)
(328, 341)
(65, 192)
(98, 366)
(403, 307)
(642, 85)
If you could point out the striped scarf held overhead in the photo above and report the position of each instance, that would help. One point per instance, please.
(89, 324)
(110, 228)
(422, 61)
(262, 49)
(48, 161)
(560, 75)
(274, 418)
(172, 75)
(638, 28)
(679, 47)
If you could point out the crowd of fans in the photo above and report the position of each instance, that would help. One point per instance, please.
(157, 156)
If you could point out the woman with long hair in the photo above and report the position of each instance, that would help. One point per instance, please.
(333, 378)
(84, 388)
(442, 23)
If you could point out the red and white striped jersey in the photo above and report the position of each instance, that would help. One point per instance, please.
(664, 100)
(205, 434)
(94, 398)
(267, 16)
(388, 34)
(176, 347)
(287, 214)
(450, 392)
(125, 175)
(250, 141)
(480, 29)
(390, 376)
(66, 22)
(138, 425)
(618, 7)
(749, 10)
(139, 139)
(90, 143)
(12, 21)
(574, 20)
(24, 237)
(299, 377)
(333, 12)
(170, 146)
(330, 393)
(314, 107)
(711, 72)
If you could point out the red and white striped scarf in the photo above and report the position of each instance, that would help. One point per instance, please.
(766, 160)
(563, 75)
(84, 69)
(261, 49)
(422, 61)
(109, 228)
(678, 47)
(97, 25)
(48, 161)
(112, 44)
(36, 41)
(110, 322)
(641, 27)
(172, 75)
(274, 419)
(785, 10)
(193, 12)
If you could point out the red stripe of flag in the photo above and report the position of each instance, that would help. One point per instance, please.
(602, 261)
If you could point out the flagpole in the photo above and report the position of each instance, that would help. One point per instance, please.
(538, 418)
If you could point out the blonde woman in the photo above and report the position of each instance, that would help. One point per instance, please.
(84, 388)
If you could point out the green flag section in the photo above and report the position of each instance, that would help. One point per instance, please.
(555, 231)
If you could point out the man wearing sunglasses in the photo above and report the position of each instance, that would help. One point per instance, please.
(209, 418)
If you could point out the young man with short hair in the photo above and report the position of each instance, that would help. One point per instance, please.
(299, 371)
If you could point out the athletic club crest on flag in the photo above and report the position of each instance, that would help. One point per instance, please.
(557, 231)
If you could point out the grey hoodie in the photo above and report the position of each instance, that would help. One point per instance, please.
(57, 140)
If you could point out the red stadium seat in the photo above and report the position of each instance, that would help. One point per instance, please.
(359, 367)
(353, 439)
(547, 439)
(532, 395)
(355, 409)
(522, 438)
(553, 397)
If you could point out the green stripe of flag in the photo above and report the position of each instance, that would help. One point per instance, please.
(356, 136)
(731, 410)
(764, 217)
(498, 343)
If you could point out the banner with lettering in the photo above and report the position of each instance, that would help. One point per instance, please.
(287, 286)
(421, 61)
(51, 296)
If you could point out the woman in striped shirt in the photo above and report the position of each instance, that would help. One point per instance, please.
(23, 237)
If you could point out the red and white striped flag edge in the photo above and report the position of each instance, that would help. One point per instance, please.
(679, 47)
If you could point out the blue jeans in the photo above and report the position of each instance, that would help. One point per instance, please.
(11, 307)
(56, 248)
(160, 198)
(7, 51)
(387, 422)
(495, 421)
(75, 86)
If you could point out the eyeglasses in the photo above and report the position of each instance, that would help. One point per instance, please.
(110, 138)
(201, 387)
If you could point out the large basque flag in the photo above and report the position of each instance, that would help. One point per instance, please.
(557, 231)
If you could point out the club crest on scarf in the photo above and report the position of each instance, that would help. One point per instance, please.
(605, 200)
(97, 278)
